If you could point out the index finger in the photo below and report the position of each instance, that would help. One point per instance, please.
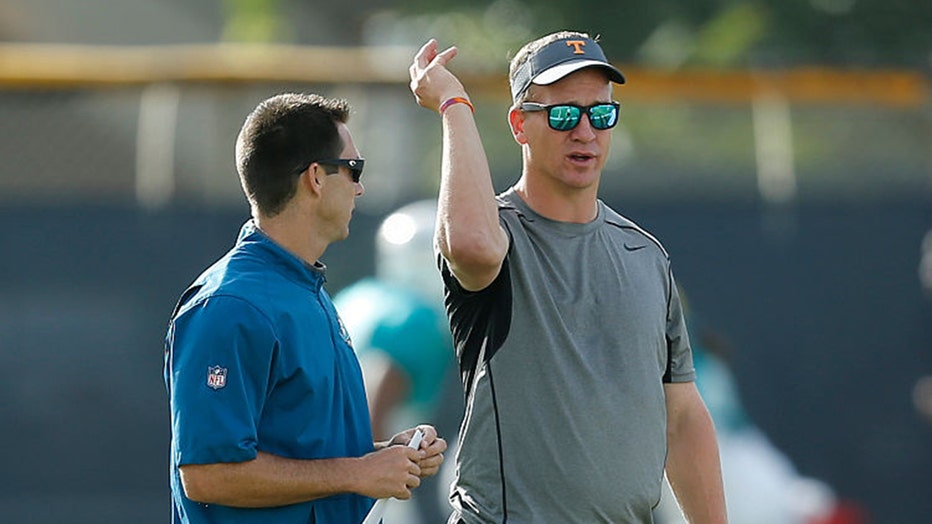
(427, 53)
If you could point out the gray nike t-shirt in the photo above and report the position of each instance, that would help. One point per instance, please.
(563, 359)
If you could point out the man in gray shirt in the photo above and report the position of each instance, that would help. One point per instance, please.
(568, 329)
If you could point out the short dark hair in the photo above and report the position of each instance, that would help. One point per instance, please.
(531, 47)
(279, 139)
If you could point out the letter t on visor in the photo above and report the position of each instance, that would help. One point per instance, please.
(558, 59)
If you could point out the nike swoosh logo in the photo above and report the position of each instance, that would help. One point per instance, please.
(633, 248)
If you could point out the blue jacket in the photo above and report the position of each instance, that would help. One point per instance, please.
(257, 359)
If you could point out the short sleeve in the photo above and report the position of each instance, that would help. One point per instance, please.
(219, 367)
(679, 354)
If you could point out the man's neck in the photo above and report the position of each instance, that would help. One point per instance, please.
(293, 234)
(569, 205)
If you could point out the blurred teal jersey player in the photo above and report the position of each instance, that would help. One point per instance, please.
(392, 325)
(400, 332)
(397, 322)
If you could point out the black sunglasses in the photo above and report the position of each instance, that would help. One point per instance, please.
(354, 165)
(564, 117)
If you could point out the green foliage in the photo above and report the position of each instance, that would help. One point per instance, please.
(254, 21)
(729, 33)
(729, 37)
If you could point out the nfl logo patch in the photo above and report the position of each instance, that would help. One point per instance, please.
(216, 377)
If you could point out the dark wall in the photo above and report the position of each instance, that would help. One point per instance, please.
(822, 306)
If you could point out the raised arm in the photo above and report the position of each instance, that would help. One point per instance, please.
(468, 233)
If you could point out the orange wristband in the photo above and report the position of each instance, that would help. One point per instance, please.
(456, 100)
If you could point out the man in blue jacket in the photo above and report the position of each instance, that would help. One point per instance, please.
(269, 415)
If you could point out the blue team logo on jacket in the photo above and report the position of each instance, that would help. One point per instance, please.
(216, 377)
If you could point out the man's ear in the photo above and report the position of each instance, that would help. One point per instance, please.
(516, 123)
(312, 180)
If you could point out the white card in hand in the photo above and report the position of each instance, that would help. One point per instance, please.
(378, 509)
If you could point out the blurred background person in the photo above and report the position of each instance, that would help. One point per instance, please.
(400, 332)
(922, 390)
(925, 264)
(762, 485)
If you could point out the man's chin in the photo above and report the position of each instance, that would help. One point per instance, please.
(345, 234)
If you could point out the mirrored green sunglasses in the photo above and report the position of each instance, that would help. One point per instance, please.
(564, 117)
